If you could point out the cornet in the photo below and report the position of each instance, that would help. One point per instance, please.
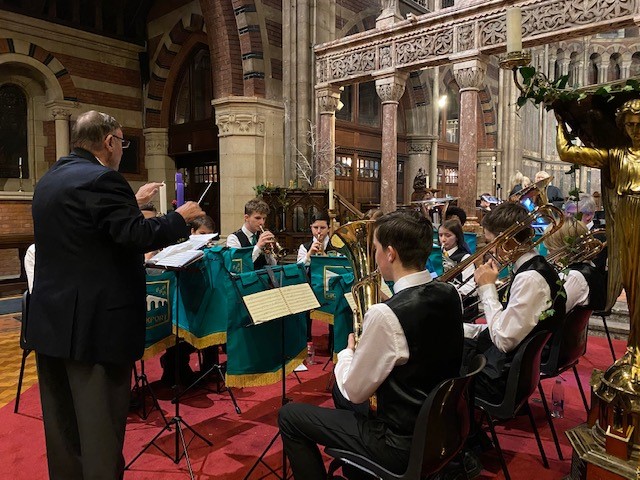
(320, 241)
(273, 248)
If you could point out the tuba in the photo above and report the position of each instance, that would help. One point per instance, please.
(510, 244)
(355, 241)
(536, 193)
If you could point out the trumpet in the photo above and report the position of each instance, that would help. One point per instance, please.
(274, 248)
(510, 244)
(320, 240)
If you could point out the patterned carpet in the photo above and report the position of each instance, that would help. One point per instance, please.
(10, 356)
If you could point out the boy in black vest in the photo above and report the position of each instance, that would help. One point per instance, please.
(320, 231)
(255, 214)
(405, 350)
(534, 293)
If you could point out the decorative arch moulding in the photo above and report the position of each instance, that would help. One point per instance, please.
(436, 38)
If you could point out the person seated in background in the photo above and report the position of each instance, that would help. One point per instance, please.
(404, 352)
(587, 207)
(584, 284)
(255, 214)
(534, 302)
(485, 205)
(203, 225)
(570, 208)
(455, 250)
(319, 241)
(456, 213)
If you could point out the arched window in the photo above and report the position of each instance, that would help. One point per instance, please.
(449, 114)
(635, 64)
(614, 67)
(574, 69)
(194, 94)
(13, 132)
(594, 61)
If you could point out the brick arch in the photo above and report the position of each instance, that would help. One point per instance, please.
(185, 31)
(489, 118)
(48, 61)
(251, 47)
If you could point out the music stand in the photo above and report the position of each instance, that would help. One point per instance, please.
(284, 400)
(177, 420)
(142, 385)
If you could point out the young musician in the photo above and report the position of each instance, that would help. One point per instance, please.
(405, 350)
(535, 288)
(255, 214)
(318, 244)
(584, 284)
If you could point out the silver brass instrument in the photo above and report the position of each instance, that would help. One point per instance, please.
(536, 192)
(511, 243)
(274, 248)
(584, 248)
(355, 241)
(435, 208)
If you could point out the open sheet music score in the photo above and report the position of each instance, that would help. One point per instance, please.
(280, 302)
(182, 254)
(352, 303)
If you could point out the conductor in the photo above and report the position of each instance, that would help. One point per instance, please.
(87, 312)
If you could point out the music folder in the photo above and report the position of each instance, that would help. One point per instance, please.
(181, 254)
(280, 302)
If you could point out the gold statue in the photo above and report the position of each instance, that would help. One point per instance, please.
(620, 168)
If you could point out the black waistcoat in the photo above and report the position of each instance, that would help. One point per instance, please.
(261, 261)
(431, 318)
(457, 257)
(498, 362)
(597, 282)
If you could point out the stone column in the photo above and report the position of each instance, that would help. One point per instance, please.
(390, 88)
(470, 75)
(433, 166)
(251, 152)
(160, 166)
(61, 117)
(328, 98)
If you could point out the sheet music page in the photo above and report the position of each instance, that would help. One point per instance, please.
(199, 241)
(180, 259)
(299, 298)
(349, 298)
(266, 306)
(386, 290)
(181, 254)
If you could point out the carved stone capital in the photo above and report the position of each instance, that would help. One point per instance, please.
(328, 99)
(60, 114)
(61, 110)
(470, 74)
(156, 141)
(422, 145)
(240, 124)
(390, 88)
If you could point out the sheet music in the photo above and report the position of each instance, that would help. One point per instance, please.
(386, 290)
(350, 300)
(299, 298)
(181, 254)
(265, 306)
(180, 259)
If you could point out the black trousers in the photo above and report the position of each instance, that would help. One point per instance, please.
(84, 407)
(304, 427)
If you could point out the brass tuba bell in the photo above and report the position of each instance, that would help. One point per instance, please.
(536, 193)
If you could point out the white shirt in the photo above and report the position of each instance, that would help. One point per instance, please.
(468, 284)
(30, 264)
(302, 252)
(530, 296)
(577, 289)
(382, 346)
(234, 242)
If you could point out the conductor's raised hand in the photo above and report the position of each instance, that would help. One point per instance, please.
(190, 211)
(146, 192)
(487, 273)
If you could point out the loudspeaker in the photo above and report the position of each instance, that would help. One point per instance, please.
(145, 73)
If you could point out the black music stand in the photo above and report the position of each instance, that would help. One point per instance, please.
(177, 420)
(284, 399)
(140, 386)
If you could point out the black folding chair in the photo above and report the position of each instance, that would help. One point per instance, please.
(26, 296)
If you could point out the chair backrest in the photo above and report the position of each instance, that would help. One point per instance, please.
(524, 375)
(26, 296)
(442, 425)
(568, 343)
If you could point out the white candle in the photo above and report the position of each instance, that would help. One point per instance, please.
(19, 161)
(514, 30)
(331, 205)
(163, 198)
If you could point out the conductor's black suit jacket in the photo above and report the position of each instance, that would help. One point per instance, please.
(88, 300)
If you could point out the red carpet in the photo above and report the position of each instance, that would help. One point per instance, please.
(239, 439)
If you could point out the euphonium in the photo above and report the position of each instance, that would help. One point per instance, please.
(536, 192)
(355, 241)
(511, 243)
(273, 248)
(584, 248)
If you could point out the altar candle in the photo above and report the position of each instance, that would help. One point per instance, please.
(331, 205)
(163, 198)
(179, 190)
(514, 30)
(19, 161)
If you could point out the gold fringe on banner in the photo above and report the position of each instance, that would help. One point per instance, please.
(322, 316)
(267, 378)
(158, 347)
(217, 338)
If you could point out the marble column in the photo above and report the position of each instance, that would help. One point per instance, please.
(470, 75)
(61, 118)
(390, 88)
(328, 98)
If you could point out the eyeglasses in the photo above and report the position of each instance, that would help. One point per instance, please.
(125, 143)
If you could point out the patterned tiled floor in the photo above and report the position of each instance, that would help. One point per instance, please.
(10, 357)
